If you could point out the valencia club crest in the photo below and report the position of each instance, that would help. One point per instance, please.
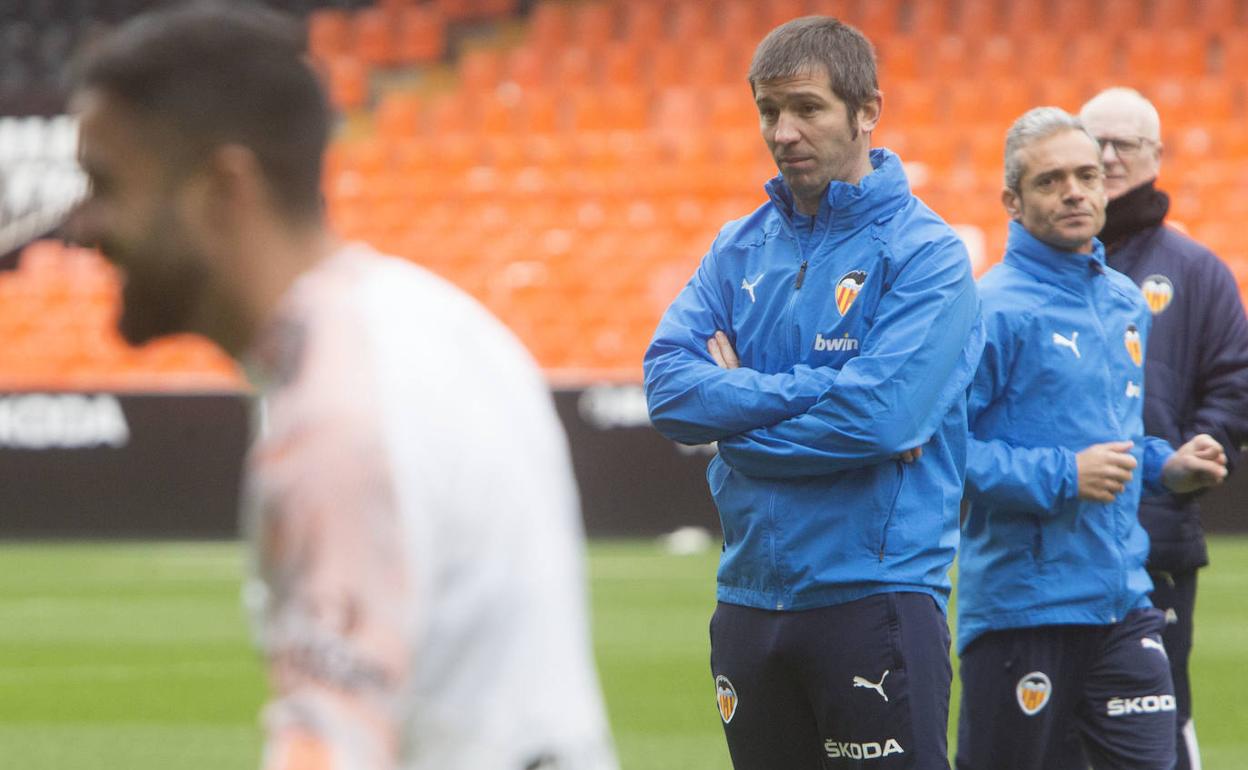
(1158, 292)
(726, 695)
(847, 289)
(1134, 346)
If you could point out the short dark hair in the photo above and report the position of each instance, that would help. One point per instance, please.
(214, 73)
(820, 41)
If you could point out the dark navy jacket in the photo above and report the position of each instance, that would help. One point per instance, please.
(1196, 371)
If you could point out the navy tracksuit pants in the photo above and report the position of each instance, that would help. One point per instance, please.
(1064, 697)
(863, 684)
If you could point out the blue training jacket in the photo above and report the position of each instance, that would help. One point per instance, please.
(1062, 370)
(858, 334)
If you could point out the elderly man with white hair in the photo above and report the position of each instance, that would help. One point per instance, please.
(1196, 371)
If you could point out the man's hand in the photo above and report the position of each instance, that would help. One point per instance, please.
(721, 350)
(1197, 464)
(910, 455)
(1104, 470)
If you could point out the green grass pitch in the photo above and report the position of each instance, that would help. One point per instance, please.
(136, 656)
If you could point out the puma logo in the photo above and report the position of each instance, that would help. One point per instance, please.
(750, 286)
(877, 686)
(1072, 342)
(1150, 643)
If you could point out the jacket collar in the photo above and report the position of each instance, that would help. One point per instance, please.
(1135, 211)
(845, 205)
(1067, 269)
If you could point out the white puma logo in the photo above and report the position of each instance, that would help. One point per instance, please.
(1150, 643)
(878, 687)
(1072, 343)
(750, 286)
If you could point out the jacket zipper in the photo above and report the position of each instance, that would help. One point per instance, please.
(797, 285)
(1116, 520)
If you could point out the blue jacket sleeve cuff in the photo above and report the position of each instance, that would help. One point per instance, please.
(1156, 452)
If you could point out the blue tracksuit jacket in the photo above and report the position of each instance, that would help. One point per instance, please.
(858, 334)
(1062, 370)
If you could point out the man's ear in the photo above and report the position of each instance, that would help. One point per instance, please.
(236, 180)
(869, 113)
(228, 186)
(1013, 203)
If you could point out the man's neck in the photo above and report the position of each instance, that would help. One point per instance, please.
(263, 272)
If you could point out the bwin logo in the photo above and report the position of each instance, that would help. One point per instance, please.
(1146, 704)
(872, 750)
(831, 344)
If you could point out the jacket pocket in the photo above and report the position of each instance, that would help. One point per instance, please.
(891, 510)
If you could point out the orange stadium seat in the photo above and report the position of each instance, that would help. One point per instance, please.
(643, 22)
(1067, 93)
(1233, 53)
(998, 58)
(480, 71)
(1169, 15)
(329, 33)
(845, 10)
(707, 66)
(574, 67)
(1122, 15)
(1024, 17)
(777, 12)
(739, 24)
(495, 8)
(539, 112)
(1042, 56)
(525, 67)
(928, 19)
(665, 66)
(456, 10)
(1218, 15)
(398, 116)
(347, 82)
(979, 18)
(898, 59)
(1178, 53)
(373, 38)
(420, 34)
(496, 114)
(913, 103)
(550, 25)
(621, 64)
(594, 24)
(949, 57)
(1078, 17)
(691, 22)
(1095, 52)
(879, 19)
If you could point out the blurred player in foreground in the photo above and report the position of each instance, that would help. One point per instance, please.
(1196, 371)
(418, 586)
(1062, 660)
(826, 342)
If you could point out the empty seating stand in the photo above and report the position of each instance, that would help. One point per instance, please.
(569, 161)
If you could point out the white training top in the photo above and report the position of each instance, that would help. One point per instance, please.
(418, 586)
